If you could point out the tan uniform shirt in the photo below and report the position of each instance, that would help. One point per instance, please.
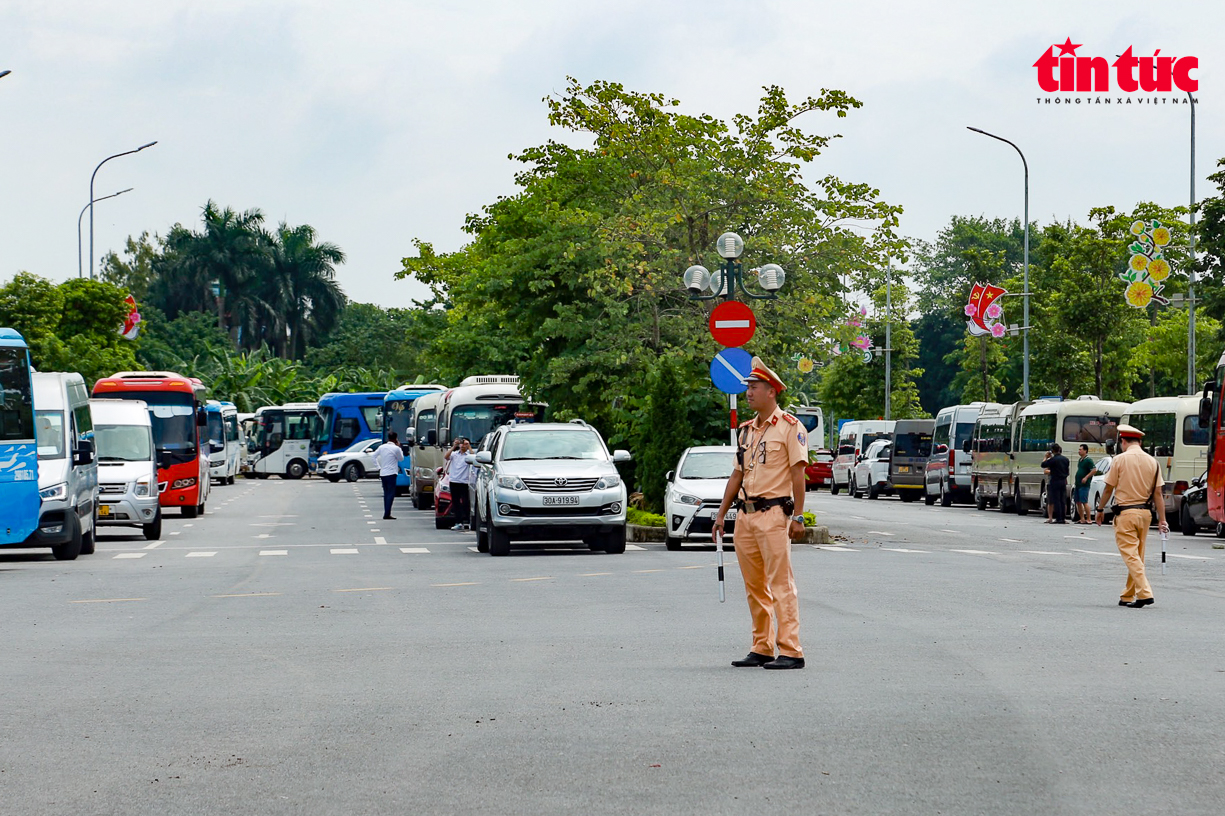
(769, 454)
(1131, 475)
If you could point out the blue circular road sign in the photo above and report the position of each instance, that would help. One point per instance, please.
(729, 369)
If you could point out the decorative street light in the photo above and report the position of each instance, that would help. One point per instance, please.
(80, 271)
(91, 198)
(1025, 295)
(728, 277)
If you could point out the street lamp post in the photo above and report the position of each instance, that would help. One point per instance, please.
(91, 198)
(1191, 386)
(730, 276)
(888, 344)
(1025, 333)
(80, 270)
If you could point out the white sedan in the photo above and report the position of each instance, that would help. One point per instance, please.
(351, 464)
(694, 492)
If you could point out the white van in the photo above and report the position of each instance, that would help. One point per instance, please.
(127, 465)
(992, 465)
(853, 441)
(67, 472)
(1172, 435)
(225, 444)
(1086, 420)
(948, 468)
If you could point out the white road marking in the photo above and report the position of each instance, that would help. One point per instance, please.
(1013, 540)
(879, 532)
(950, 531)
(474, 549)
(371, 522)
(132, 555)
(1082, 537)
(1195, 557)
(903, 549)
(1042, 552)
(263, 535)
(288, 515)
(414, 549)
(198, 554)
(176, 532)
(634, 547)
(274, 552)
(380, 540)
(154, 545)
(975, 552)
(274, 524)
(344, 551)
(1094, 552)
(189, 525)
(833, 548)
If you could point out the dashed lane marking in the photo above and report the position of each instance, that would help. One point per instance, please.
(1081, 537)
(343, 551)
(410, 550)
(539, 578)
(879, 532)
(975, 552)
(154, 545)
(109, 600)
(692, 566)
(263, 535)
(132, 555)
(1194, 557)
(903, 549)
(380, 540)
(271, 524)
(247, 595)
(198, 554)
(364, 589)
(1095, 552)
(176, 532)
(833, 548)
(592, 574)
(1013, 540)
(189, 525)
(461, 583)
(950, 531)
(1042, 552)
(274, 552)
(650, 570)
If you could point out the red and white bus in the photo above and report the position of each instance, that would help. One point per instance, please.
(176, 407)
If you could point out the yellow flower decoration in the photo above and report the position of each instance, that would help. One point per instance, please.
(1139, 262)
(1140, 294)
(805, 365)
(1137, 228)
(1159, 269)
(1161, 236)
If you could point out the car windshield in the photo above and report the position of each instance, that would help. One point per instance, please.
(123, 443)
(16, 402)
(869, 438)
(559, 444)
(915, 443)
(962, 433)
(809, 421)
(49, 431)
(708, 465)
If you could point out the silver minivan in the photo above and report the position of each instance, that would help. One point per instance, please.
(127, 465)
(67, 472)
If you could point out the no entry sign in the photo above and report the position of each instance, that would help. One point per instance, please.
(732, 324)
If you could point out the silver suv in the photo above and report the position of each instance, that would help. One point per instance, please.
(548, 482)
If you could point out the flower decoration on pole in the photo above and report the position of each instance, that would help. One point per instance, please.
(985, 313)
(862, 341)
(1147, 269)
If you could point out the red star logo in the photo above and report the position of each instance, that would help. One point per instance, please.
(1068, 47)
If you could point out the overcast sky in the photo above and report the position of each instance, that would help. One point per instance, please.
(380, 122)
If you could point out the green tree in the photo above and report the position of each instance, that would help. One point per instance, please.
(666, 433)
(368, 335)
(134, 273)
(301, 286)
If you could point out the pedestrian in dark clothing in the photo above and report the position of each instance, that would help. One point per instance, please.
(1056, 469)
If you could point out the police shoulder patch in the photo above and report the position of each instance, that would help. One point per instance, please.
(790, 419)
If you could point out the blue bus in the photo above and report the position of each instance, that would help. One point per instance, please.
(18, 449)
(345, 419)
(398, 417)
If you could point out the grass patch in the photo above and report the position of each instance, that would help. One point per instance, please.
(644, 519)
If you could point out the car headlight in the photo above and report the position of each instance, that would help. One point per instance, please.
(511, 483)
(685, 498)
(142, 488)
(607, 482)
(59, 491)
(424, 473)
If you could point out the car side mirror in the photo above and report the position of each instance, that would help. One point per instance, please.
(484, 458)
(410, 436)
(470, 458)
(671, 474)
(201, 418)
(431, 439)
(407, 448)
(1205, 408)
(968, 446)
(621, 456)
(84, 453)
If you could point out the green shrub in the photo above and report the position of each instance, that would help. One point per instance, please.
(644, 519)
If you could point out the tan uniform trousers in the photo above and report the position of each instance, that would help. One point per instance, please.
(764, 553)
(1130, 533)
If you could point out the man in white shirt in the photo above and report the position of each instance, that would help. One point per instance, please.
(387, 457)
(461, 474)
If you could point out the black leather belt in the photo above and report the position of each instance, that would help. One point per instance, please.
(756, 504)
(1120, 508)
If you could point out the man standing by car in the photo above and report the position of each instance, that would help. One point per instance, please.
(1135, 479)
(768, 477)
(461, 475)
(1056, 469)
(387, 457)
(1084, 472)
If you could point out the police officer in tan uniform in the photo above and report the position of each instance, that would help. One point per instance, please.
(1135, 480)
(767, 485)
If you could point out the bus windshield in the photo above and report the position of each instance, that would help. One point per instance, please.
(474, 421)
(174, 419)
(321, 427)
(216, 429)
(1158, 433)
(398, 415)
(16, 400)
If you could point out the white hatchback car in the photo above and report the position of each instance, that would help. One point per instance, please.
(871, 474)
(695, 490)
(351, 464)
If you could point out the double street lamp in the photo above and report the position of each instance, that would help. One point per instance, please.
(92, 199)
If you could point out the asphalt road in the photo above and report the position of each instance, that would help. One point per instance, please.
(292, 653)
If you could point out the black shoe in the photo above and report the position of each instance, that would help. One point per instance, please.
(785, 662)
(1124, 603)
(752, 660)
(389, 518)
(1140, 603)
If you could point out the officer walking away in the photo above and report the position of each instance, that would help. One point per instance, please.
(1056, 469)
(1135, 480)
(461, 475)
(767, 485)
(387, 457)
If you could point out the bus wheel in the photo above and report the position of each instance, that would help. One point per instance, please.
(190, 511)
(296, 469)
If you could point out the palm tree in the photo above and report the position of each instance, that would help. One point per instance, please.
(302, 287)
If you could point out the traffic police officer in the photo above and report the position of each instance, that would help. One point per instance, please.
(767, 485)
(1135, 480)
